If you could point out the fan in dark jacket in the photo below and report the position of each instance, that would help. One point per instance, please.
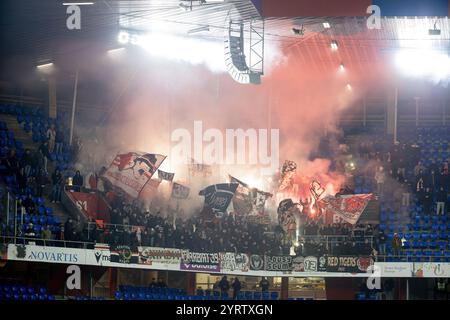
(77, 181)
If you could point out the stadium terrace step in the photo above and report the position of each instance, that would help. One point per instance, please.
(58, 210)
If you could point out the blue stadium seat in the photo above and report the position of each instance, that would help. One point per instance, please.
(200, 292)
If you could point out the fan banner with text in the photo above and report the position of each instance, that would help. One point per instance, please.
(131, 171)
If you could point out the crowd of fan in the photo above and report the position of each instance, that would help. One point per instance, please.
(229, 234)
(131, 226)
(401, 163)
(27, 176)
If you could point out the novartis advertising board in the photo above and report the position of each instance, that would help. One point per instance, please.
(225, 262)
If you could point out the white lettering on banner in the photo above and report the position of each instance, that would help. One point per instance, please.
(310, 264)
(234, 261)
(150, 255)
(46, 254)
(278, 263)
(198, 257)
(74, 280)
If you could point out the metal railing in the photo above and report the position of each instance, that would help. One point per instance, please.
(46, 242)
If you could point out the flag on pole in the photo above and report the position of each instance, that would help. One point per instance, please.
(131, 171)
(218, 196)
(248, 201)
(165, 175)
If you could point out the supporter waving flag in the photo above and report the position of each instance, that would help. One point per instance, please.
(218, 196)
(131, 171)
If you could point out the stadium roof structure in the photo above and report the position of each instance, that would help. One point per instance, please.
(37, 30)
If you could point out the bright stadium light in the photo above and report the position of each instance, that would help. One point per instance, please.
(123, 37)
(423, 63)
(77, 3)
(326, 25)
(116, 50)
(178, 48)
(349, 87)
(44, 65)
(199, 29)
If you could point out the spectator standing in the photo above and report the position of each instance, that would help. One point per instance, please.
(427, 200)
(380, 178)
(139, 236)
(77, 181)
(418, 169)
(12, 162)
(41, 181)
(382, 243)
(396, 245)
(236, 287)
(441, 198)
(51, 137)
(59, 141)
(224, 286)
(264, 284)
(46, 234)
(27, 162)
(57, 180)
(43, 149)
(29, 232)
(406, 195)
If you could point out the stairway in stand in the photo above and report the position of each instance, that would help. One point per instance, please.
(27, 140)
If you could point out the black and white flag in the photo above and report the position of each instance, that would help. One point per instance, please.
(179, 191)
(162, 175)
(218, 196)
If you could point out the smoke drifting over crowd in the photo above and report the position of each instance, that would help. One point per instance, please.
(161, 96)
